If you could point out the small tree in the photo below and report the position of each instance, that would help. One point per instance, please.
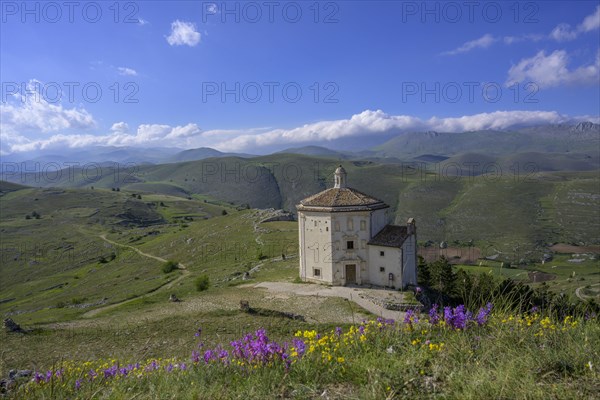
(423, 274)
(224, 212)
(170, 266)
(202, 283)
(442, 276)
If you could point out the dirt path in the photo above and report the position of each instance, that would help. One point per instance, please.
(166, 285)
(103, 237)
(359, 296)
(578, 292)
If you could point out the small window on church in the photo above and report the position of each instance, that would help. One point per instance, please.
(381, 269)
(326, 229)
(350, 244)
(315, 222)
(382, 253)
(363, 225)
(337, 226)
(350, 224)
(317, 272)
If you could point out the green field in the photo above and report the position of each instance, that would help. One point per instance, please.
(81, 267)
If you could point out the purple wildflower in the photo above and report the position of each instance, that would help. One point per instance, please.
(224, 356)
(208, 355)
(456, 318)
(37, 377)
(338, 331)
(195, 356)
(300, 346)
(483, 314)
(77, 384)
(589, 316)
(534, 310)
(434, 317)
(153, 366)
(410, 317)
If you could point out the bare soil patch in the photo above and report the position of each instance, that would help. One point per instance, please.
(537, 277)
(456, 255)
(570, 249)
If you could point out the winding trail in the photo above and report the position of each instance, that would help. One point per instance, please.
(578, 292)
(166, 285)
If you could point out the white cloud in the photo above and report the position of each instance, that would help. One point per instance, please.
(211, 8)
(127, 71)
(142, 21)
(145, 135)
(564, 32)
(591, 22)
(371, 122)
(529, 38)
(552, 70)
(120, 127)
(183, 33)
(483, 42)
(31, 111)
(366, 123)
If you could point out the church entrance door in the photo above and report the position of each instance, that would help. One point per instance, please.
(350, 273)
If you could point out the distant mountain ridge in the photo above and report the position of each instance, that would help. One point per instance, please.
(583, 137)
(428, 146)
(201, 153)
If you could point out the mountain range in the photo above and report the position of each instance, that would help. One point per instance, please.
(576, 142)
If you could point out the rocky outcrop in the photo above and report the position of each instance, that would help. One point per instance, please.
(12, 327)
(279, 215)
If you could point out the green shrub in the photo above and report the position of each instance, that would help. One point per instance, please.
(78, 300)
(202, 283)
(170, 266)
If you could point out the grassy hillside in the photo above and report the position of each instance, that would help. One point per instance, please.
(514, 202)
(82, 269)
(56, 264)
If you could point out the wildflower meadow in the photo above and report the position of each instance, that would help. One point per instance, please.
(448, 352)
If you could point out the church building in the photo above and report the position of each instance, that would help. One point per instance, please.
(345, 240)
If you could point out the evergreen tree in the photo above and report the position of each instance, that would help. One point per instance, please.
(423, 273)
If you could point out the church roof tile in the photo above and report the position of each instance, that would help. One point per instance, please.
(343, 198)
(390, 236)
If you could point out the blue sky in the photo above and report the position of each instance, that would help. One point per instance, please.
(228, 74)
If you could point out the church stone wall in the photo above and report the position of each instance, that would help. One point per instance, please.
(381, 265)
(315, 247)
